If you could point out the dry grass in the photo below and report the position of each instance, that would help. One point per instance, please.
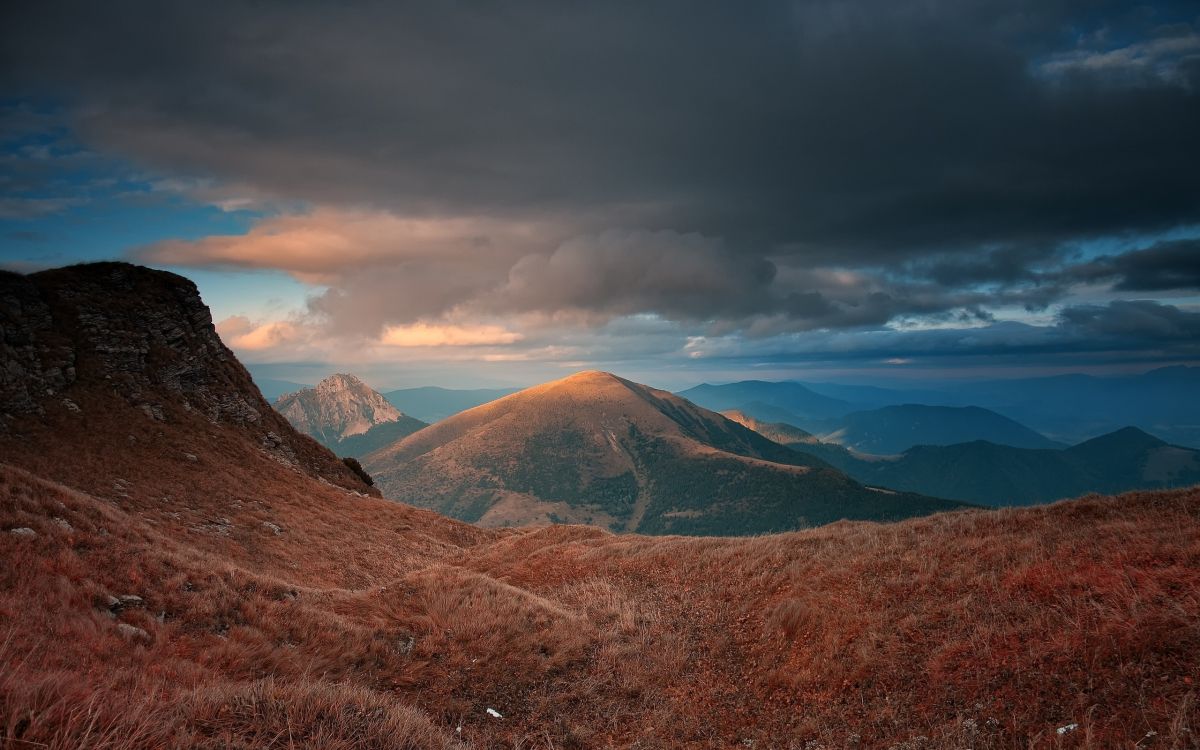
(363, 623)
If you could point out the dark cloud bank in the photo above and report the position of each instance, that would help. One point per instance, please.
(762, 168)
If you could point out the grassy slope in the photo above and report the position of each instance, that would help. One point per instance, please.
(365, 623)
(379, 436)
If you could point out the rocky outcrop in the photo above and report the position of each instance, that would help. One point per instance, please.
(76, 337)
(146, 334)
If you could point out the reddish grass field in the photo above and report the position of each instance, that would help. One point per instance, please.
(281, 611)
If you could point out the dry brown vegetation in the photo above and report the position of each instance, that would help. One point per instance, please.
(362, 623)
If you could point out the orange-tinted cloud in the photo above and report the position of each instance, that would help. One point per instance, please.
(323, 243)
(426, 334)
(242, 334)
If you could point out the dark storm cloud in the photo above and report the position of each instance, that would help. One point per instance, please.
(1167, 265)
(1139, 320)
(1164, 266)
(872, 128)
(689, 277)
(1139, 331)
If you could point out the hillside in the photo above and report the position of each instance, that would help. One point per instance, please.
(894, 429)
(346, 415)
(780, 432)
(379, 436)
(172, 576)
(594, 448)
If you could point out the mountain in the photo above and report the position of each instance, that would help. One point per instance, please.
(180, 568)
(598, 449)
(894, 429)
(793, 398)
(346, 415)
(780, 432)
(433, 404)
(1001, 475)
(338, 407)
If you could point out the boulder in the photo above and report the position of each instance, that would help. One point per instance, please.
(132, 632)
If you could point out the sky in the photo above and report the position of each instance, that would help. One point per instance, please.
(484, 194)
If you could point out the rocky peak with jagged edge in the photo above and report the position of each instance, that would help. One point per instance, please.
(117, 335)
(340, 406)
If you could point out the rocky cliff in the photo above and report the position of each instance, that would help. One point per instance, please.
(122, 342)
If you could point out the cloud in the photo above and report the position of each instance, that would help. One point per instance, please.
(1164, 266)
(30, 208)
(381, 271)
(857, 130)
(242, 334)
(326, 242)
(1163, 58)
(426, 335)
(615, 181)
(1138, 331)
(1138, 321)
(678, 276)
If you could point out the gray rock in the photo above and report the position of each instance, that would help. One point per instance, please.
(24, 532)
(153, 411)
(129, 601)
(274, 528)
(132, 632)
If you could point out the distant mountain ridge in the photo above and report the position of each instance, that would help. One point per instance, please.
(595, 448)
(894, 429)
(791, 397)
(346, 415)
(1070, 407)
(888, 429)
(1066, 408)
(433, 403)
(1002, 475)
